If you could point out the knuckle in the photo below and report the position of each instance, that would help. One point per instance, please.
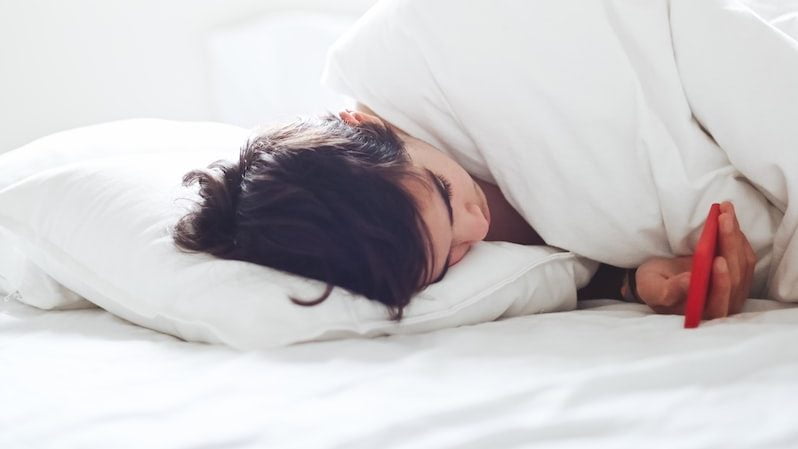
(663, 310)
(661, 299)
(751, 256)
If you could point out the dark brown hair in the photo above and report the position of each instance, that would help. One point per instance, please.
(319, 198)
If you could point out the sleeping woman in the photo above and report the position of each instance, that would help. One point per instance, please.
(356, 202)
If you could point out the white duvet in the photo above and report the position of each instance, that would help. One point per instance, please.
(589, 115)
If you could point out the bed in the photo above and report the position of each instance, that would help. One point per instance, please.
(608, 375)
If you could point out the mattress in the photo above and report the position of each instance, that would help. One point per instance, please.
(608, 375)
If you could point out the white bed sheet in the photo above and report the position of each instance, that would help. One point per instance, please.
(612, 375)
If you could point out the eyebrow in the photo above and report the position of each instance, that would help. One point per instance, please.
(442, 193)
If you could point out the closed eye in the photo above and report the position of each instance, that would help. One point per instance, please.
(444, 188)
(447, 186)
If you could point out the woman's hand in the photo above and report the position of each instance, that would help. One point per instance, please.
(663, 282)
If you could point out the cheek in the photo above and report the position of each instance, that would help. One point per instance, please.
(459, 252)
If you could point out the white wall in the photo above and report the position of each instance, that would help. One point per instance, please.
(67, 63)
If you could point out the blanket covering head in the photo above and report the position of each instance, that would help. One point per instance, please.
(610, 126)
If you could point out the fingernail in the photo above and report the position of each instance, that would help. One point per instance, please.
(720, 265)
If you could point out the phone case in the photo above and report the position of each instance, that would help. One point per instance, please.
(702, 269)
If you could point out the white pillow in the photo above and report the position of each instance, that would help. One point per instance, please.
(101, 228)
(22, 280)
(18, 274)
(134, 136)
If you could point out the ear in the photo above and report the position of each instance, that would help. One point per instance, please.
(349, 117)
(356, 118)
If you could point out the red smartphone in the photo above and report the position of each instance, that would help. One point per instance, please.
(702, 269)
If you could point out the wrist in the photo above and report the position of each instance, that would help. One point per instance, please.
(629, 287)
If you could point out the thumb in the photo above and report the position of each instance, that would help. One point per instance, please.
(676, 289)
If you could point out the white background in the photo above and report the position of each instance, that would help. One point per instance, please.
(72, 63)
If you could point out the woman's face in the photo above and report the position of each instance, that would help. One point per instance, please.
(453, 206)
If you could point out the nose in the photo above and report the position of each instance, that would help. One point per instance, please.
(472, 228)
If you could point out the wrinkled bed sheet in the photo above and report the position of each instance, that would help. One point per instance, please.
(612, 375)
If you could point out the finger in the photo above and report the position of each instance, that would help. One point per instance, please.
(744, 245)
(750, 256)
(676, 292)
(750, 253)
(747, 263)
(747, 251)
(730, 245)
(741, 287)
(736, 304)
(678, 309)
(719, 291)
(668, 266)
(663, 294)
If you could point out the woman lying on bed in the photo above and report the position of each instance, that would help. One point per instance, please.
(356, 202)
